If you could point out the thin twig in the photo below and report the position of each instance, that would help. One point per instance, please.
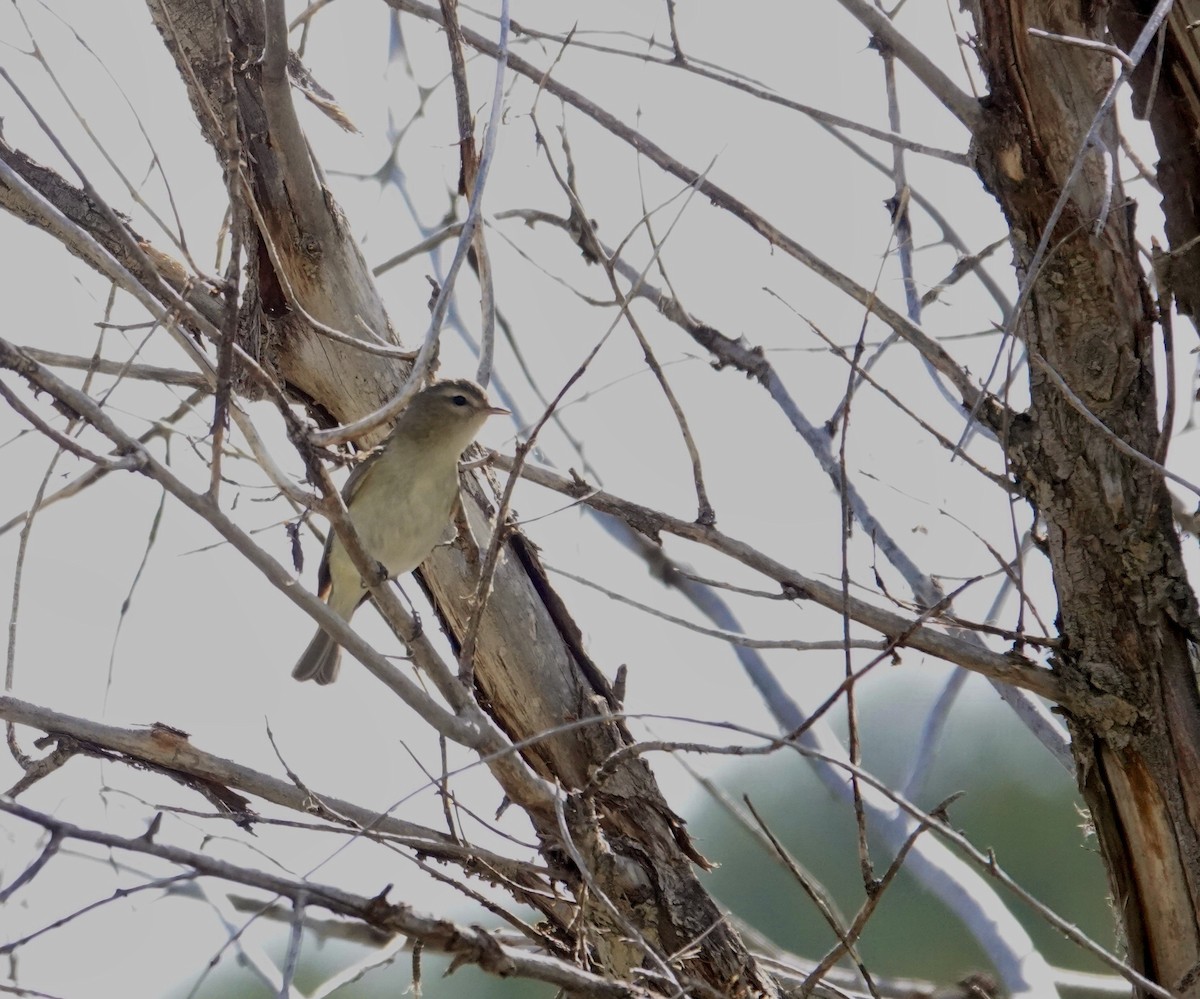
(984, 861)
(295, 937)
(1119, 443)
(925, 344)
(467, 652)
(745, 641)
(871, 903)
(129, 462)
(1009, 668)
(123, 369)
(162, 428)
(819, 899)
(464, 942)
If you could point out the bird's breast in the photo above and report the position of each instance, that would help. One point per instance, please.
(403, 530)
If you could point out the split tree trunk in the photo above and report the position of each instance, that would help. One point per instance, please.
(530, 667)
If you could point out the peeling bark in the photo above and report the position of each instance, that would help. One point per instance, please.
(1127, 613)
(1166, 93)
(530, 668)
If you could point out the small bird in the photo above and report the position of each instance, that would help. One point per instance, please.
(400, 502)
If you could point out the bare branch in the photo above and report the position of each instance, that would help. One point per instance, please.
(123, 369)
(963, 106)
(1010, 668)
(465, 943)
(927, 346)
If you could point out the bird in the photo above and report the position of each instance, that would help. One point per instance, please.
(400, 501)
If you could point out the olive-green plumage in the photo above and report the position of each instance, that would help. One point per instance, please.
(400, 502)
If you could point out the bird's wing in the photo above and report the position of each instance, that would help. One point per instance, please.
(358, 475)
(324, 579)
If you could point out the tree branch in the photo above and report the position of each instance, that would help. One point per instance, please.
(1007, 668)
(929, 348)
(467, 943)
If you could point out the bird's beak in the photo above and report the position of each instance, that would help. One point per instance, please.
(497, 411)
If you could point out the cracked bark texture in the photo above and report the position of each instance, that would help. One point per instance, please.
(530, 668)
(1127, 613)
(1168, 97)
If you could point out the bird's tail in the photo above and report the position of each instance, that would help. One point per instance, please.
(320, 661)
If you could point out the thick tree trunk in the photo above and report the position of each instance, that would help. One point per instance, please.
(1127, 614)
(530, 667)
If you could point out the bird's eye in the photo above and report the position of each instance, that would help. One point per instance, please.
(459, 400)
